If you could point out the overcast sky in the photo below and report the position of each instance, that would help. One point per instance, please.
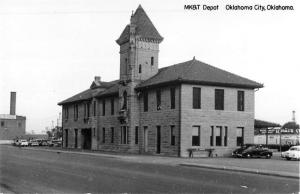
(52, 49)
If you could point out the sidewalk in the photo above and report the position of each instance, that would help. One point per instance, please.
(273, 167)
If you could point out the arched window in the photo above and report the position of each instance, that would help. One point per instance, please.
(124, 107)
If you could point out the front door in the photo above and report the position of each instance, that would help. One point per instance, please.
(86, 138)
(146, 139)
(158, 140)
(67, 137)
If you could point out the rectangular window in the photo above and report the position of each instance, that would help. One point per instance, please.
(112, 135)
(66, 112)
(103, 107)
(136, 134)
(88, 109)
(225, 136)
(152, 61)
(240, 136)
(212, 136)
(145, 97)
(75, 112)
(172, 96)
(94, 108)
(219, 99)
(158, 99)
(218, 135)
(112, 106)
(140, 68)
(124, 135)
(241, 101)
(19, 124)
(196, 136)
(172, 135)
(196, 98)
(2, 123)
(103, 135)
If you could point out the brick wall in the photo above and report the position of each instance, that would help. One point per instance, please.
(207, 116)
(12, 128)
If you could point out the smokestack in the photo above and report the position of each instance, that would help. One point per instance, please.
(12, 103)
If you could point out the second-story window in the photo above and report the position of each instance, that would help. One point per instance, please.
(152, 61)
(196, 98)
(112, 106)
(219, 99)
(140, 68)
(172, 96)
(145, 98)
(66, 112)
(75, 112)
(241, 101)
(158, 99)
(103, 107)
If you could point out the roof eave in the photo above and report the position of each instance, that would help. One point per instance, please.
(181, 81)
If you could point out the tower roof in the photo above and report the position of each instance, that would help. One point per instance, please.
(144, 28)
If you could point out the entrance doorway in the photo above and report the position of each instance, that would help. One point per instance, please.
(66, 137)
(86, 138)
(158, 135)
(146, 139)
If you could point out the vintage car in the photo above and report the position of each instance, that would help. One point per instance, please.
(23, 142)
(292, 153)
(252, 151)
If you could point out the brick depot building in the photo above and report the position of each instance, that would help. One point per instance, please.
(160, 111)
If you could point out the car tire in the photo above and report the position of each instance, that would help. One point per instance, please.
(288, 158)
(268, 156)
(248, 156)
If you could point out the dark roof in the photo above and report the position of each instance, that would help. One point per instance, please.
(264, 124)
(197, 72)
(113, 90)
(89, 93)
(144, 27)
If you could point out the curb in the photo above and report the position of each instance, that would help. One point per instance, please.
(244, 170)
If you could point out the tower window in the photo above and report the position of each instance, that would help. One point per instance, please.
(140, 68)
(152, 61)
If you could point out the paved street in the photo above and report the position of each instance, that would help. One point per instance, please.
(24, 170)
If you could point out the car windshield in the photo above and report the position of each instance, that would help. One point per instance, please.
(294, 149)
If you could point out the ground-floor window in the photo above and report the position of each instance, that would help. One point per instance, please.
(103, 135)
(136, 134)
(225, 136)
(212, 136)
(218, 135)
(196, 136)
(240, 136)
(112, 135)
(172, 135)
(124, 135)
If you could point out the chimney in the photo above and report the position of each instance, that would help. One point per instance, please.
(12, 103)
(97, 79)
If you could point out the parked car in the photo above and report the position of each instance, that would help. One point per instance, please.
(56, 143)
(292, 153)
(252, 151)
(34, 142)
(23, 142)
